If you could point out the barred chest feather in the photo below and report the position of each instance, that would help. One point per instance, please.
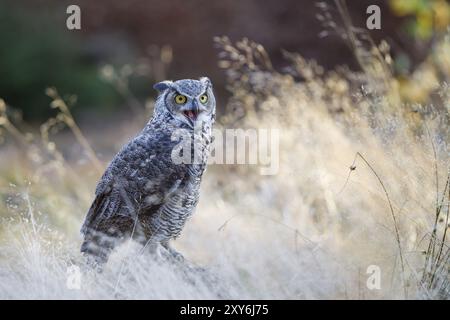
(170, 219)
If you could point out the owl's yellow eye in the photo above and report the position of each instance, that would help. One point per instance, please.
(180, 99)
(203, 98)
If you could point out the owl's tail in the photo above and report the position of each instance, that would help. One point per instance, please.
(97, 247)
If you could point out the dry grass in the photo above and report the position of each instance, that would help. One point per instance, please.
(310, 231)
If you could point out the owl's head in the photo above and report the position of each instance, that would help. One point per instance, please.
(188, 101)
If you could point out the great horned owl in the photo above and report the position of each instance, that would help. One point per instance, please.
(146, 192)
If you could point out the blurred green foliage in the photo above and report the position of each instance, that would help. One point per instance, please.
(427, 16)
(37, 51)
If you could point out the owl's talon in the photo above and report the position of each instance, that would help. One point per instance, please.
(178, 257)
(172, 253)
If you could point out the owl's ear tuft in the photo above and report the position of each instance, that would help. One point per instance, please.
(206, 81)
(163, 85)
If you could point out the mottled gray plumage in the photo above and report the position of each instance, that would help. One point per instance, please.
(144, 192)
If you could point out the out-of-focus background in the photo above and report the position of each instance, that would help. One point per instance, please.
(341, 96)
(174, 39)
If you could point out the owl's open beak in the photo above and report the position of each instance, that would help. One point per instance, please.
(192, 114)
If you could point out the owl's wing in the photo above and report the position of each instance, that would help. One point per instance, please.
(142, 165)
(99, 207)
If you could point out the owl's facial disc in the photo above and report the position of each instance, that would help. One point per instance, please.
(190, 109)
(187, 107)
(188, 101)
